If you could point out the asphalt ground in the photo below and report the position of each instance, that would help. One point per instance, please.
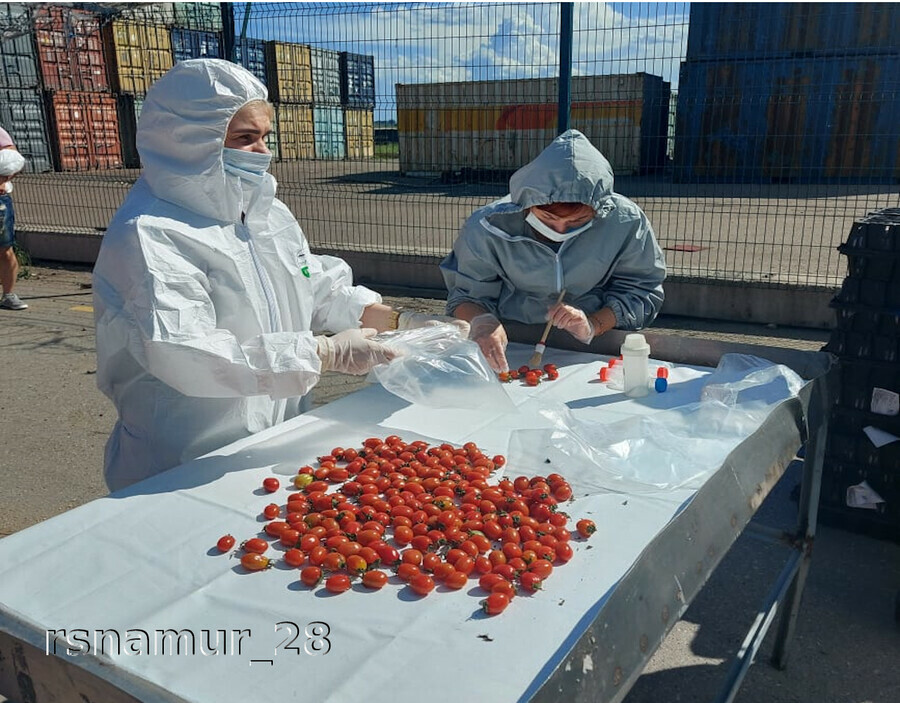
(784, 233)
(847, 644)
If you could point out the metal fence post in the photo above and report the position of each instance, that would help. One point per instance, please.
(565, 65)
(228, 30)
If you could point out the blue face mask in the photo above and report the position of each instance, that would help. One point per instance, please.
(250, 166)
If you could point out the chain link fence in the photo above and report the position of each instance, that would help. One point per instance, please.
(751, 134)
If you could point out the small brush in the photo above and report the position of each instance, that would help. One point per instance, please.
(539, 348)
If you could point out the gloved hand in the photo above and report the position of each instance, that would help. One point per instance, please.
(352, 351)
(573, 321)
(487, 331)
(410, 320)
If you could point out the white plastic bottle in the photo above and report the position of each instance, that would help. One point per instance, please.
(636, 365)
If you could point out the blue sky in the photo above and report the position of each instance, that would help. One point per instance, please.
(431, 42)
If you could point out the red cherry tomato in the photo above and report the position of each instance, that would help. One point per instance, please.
(271, 484)
(422, 584)
(549, 367)
(255, 562)
(337, 583)
(311, 576)
(294, 557)
(255, 545)
(585, 527)
(225, 543)
(455, 580)
(375, 579)
(563, 551)
(388, 554)
(271, 511)
(408, 571)
(495, 603)
(530, 581)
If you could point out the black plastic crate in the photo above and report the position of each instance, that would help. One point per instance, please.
(837, 476)
(859, 378)
(864, 345)
(881, 295)
(859, 318)
(872, 265)
(848, 443)
(879, 231)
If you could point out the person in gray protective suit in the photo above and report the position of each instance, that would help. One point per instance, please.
(561, 228)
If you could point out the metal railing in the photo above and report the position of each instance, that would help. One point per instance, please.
(751, 145)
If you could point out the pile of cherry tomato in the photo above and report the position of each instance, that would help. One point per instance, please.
(426, 512)
(531, 377)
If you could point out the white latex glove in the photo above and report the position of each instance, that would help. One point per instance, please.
(352, 352)
(409, 320)
(573, 321)
(487, 331)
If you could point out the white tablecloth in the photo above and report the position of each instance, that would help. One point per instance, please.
(143, 560)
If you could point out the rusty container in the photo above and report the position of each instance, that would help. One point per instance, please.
(70, 49)
(85, 130)
(809, 119)
(754, 30)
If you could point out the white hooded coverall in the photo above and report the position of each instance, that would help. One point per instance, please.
(205, 320)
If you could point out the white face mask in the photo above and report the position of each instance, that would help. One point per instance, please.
(552, 234)
(250, 166)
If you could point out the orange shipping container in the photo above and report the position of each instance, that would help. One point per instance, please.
(85, 130)
(70, 50)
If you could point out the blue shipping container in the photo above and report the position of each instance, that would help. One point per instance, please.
(18, 62)
(251, 54)
(328, 132)
(193, 44)
(202, 16)
(357, 80)
(793, 119)
(326, 76)
(757, 30)
(22, 114)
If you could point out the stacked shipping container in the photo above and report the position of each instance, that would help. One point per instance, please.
(82, 112)
(324, 101)
(358, 97)
(790, 91)
(96, 69)
(289, 74)
(499, 126)
(22, 110)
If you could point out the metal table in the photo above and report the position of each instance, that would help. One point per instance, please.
(603, 651)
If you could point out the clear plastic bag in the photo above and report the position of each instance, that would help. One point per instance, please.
(676, 448)
(438, 368)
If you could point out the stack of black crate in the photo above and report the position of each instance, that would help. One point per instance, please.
(866, 341)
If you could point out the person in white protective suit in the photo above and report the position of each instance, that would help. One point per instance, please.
(209, 306)
(561, 229)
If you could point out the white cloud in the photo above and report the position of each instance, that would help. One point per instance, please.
(441, 42)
